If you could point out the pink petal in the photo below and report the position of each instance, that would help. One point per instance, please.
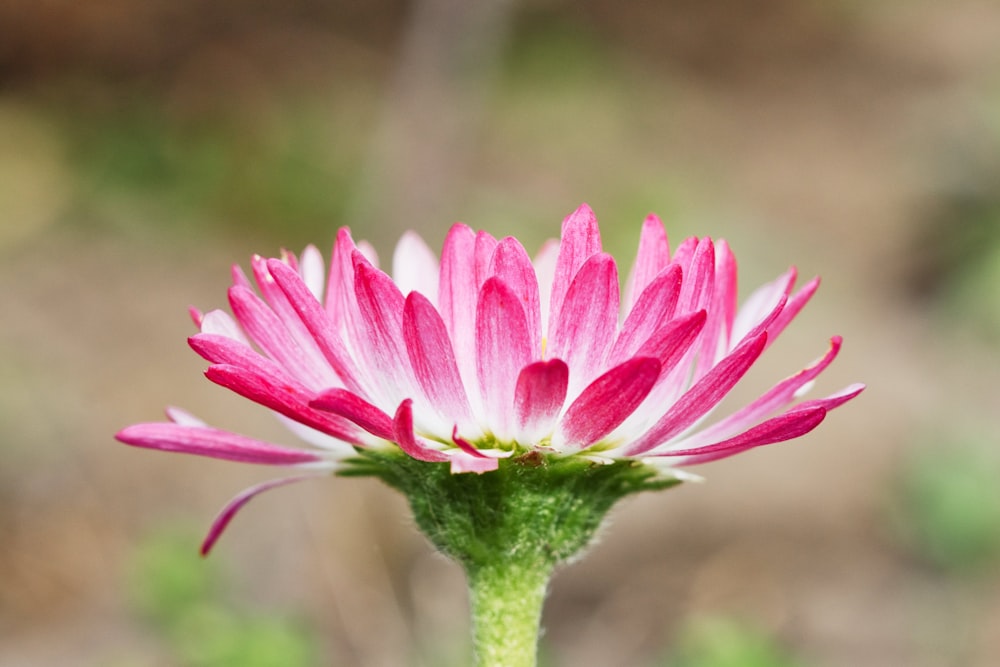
(539, 397)
(580, 240)
(795, 304)
(407, 440)
(340, 302)
(457, 297)
(699, 278)
(608, 401)
(220, 349)
(587, 321)
(483, 251)
(284, 396)
(465, 445)
(183, 417)
(511, 264)
(684, 253)
(702, 396)
(415, 267)
(433, 359)
(545, 271)
(833, 400)
(354, 408)
(721, 308)
(781, 394)
(222, 520)
(239, 277)
(762, 302)
(672, 341)
(652, 258)
(312, 271)
(726, 289)
(778, 429)
(270, 332)
(220, 322)
(655, 307)
(462, 462)
(278, 302)
(317, 321)
(212, 442)
(381, 308)
(503, 348)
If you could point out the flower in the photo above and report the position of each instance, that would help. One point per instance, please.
(488, 354)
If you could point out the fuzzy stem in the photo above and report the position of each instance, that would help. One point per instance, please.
(507, 600)
(509, 529)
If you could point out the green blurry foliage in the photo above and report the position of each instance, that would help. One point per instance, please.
(291, 175)
(726, 642)
(947, 506)
(182, 597)
(168, 578)
(955, 253)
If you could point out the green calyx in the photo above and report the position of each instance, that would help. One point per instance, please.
(509, 529)
(534, 509)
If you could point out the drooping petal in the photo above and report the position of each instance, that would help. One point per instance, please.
(213, 443)
(652, 257)
(511, 264)
(403, 435)
(503, 348)
(433, 359)
(607, 402)
(702, 396)
(354, 408)
(222, 520)
(462, 462)
(538, 398)
(415, 267)
(581, 239)
(587, 320)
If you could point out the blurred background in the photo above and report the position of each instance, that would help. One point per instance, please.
(146, 147)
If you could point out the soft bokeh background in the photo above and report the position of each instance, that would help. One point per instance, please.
(145, 147)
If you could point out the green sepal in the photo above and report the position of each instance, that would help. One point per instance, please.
(537, 507)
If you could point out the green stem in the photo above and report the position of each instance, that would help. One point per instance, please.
(509, 529)
(507, 600)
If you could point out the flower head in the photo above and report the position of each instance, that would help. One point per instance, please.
(487, 354)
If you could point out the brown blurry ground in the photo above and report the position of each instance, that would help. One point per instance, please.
(832, 135)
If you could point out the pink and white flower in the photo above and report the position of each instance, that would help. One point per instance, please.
(487, 353)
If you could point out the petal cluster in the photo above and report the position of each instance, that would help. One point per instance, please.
(487, 353)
